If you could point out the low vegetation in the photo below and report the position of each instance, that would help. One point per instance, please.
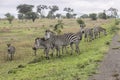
(25, 66)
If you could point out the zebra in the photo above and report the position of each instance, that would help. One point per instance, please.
(11, 51)
(41, 43)
(64, 40)
(88, 34)
(97, 30)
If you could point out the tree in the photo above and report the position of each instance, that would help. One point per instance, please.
(93, 16)
(81, 23)
(69, 11)
(24, 8)
(20, 16)
(53, 9)
(113, 12)
(102, 15)
(58, 15)
(84, 16)
(40, 10)
(9, 17)
(31, 15)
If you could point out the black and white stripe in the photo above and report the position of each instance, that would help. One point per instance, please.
(88, 34)
(41, 43)
(63, 40)
(97, 31)
(11, 51)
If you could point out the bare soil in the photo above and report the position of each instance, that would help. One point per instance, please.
(109, 68)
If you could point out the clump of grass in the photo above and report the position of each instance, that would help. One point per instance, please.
(107, 43)
(12, 72)
(21, 66)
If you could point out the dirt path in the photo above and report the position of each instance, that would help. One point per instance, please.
(109, 69)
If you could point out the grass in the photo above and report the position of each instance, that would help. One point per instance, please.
(25, 66)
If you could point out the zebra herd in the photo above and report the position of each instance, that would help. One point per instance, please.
(53, 42)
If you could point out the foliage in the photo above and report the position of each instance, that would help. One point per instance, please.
(93, 16)
(102, 16)
(40, 10)
(58, 27)
(24, 8)
(21, 16)
(81, 22)
(114, 12)
(31, 15)
(84, 16)
(9, 17)
(69, 11)
(53, 9)
(58, 15)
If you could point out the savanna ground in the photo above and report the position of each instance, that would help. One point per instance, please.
(26, 66)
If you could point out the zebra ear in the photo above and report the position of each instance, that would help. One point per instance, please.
(8, 45)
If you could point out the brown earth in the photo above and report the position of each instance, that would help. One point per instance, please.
(109, 68)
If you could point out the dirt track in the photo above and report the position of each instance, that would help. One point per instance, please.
(109, 68)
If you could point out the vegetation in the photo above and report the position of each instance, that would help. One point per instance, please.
(25, 66)
(9, 17)
(69, 11)
(102, 15)
(58, 27)
(93, 16)
(84, 16)
(81, 22)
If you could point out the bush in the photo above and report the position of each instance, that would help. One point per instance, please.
(93, 16)
(81, 22)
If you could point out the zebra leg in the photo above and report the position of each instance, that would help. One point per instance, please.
(52, 51)
(99, 34)
(47, 53)
(77, 47)
(11, 56)
(35, 51)
(71, 45)
(58, 51)
(63, 49)
(66, 49)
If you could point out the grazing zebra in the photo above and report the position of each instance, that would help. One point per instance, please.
(41, 43)
(63, 40)
(97, 30)
(11, 51)
(88, 34)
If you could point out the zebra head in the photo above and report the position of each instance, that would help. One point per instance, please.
(48, 34)
(82, 29)
(38, 43)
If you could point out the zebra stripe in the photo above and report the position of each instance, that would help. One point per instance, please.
(63, 40)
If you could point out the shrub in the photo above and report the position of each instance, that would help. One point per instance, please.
(93, 16)
(81, 22)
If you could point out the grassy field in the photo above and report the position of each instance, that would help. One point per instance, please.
(25, 66)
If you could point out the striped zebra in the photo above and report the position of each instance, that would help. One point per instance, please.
(64, 40)
(41, 43)
(11, 51)
(97, 31)
(88, 34)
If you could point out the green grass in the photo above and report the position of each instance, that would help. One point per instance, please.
(67, 67)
